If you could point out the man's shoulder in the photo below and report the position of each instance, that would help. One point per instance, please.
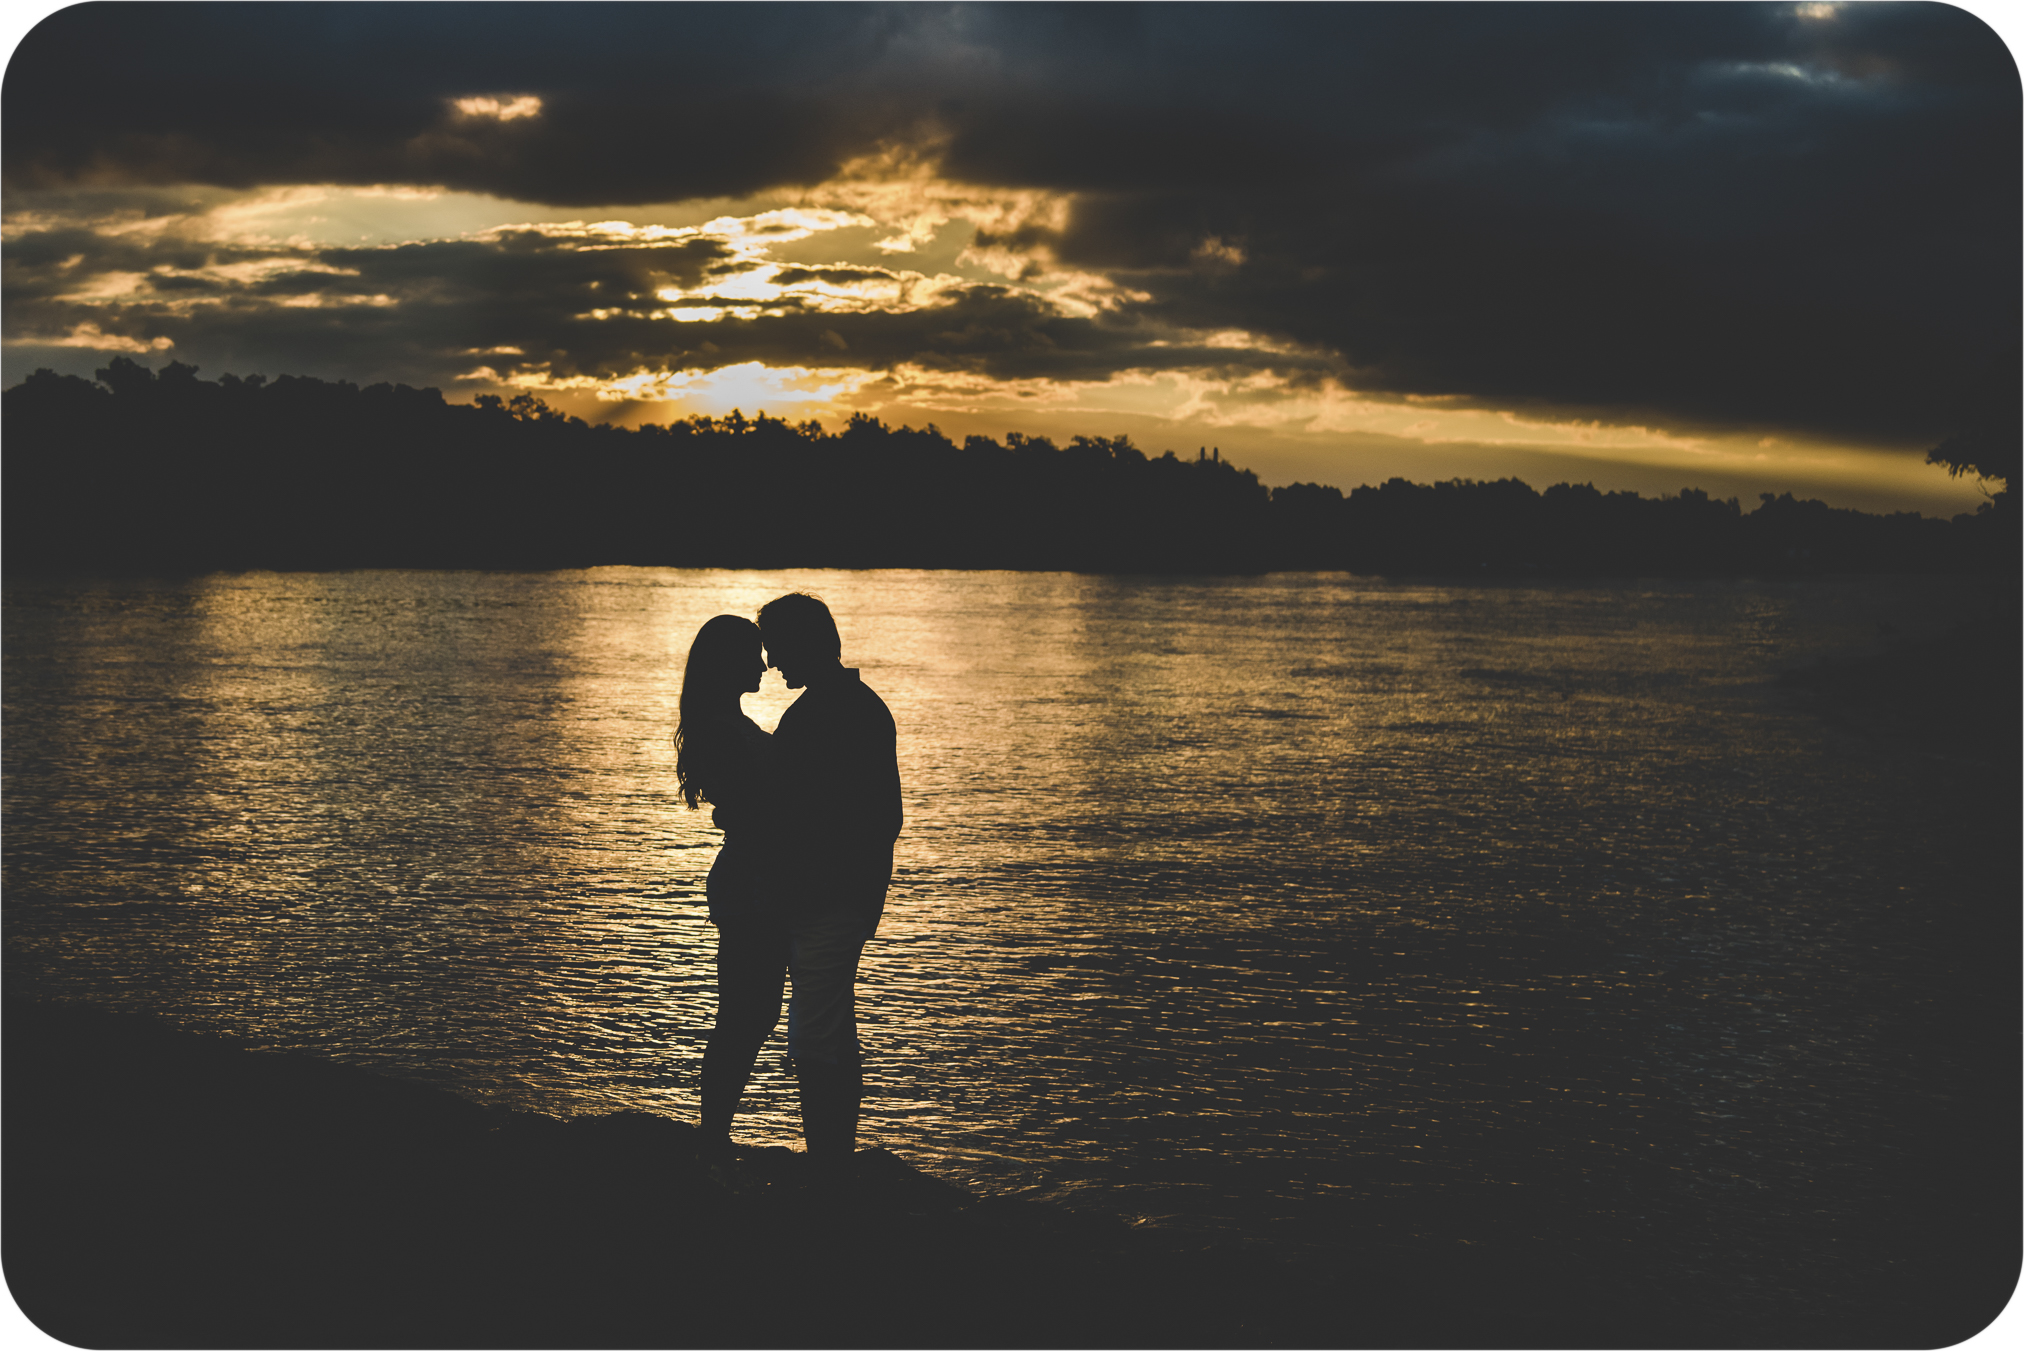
(848, 702)
(858, 690)
(867, 704)
(849, 697)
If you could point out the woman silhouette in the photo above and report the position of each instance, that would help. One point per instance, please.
(722, 757)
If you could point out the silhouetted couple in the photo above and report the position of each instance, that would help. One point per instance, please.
(809, 816)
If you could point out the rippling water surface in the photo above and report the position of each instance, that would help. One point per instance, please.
(1232, 903)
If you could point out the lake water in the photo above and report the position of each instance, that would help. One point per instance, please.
(1234, 904)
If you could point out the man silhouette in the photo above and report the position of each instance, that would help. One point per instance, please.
(837, 813)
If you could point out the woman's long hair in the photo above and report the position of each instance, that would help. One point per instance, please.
(720, 661)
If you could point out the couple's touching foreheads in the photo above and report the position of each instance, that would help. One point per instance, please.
(809, 816)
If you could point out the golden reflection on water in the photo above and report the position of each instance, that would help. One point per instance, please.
(1218, 898)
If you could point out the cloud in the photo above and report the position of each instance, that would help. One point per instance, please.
(620, 104)
(573, 304)
(1800, 220)
(498, 109)
(90, 336)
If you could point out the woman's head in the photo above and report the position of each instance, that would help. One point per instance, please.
(724, 662)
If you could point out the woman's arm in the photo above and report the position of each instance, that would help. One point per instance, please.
(740, 776)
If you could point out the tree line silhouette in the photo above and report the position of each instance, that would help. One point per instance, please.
(152, 471)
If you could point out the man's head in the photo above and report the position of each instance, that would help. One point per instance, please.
(801, 638)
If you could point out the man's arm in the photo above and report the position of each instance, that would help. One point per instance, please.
(876, 773)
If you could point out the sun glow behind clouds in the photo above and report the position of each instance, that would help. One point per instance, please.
(749, 386)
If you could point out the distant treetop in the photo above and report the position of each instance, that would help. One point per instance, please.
(163, 471)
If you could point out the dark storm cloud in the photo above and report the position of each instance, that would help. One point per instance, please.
(1692, 215)
(641, 102)
(1707, 215)
(835, 276)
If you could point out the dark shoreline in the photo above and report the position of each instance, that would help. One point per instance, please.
(165, 1189)
(170, 1189)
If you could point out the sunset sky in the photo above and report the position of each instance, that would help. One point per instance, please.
(1739, 247)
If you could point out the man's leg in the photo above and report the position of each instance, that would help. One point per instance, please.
(751, 973)
(822, 1030)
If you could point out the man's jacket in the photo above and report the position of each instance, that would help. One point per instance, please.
(838, 778)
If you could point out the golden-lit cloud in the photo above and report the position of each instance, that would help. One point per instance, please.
(901, 186)
(498, 109)
(1215, 251)
(751, 235)
(89, 335)
(316, 300)
(751, 282)
(160, 289)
